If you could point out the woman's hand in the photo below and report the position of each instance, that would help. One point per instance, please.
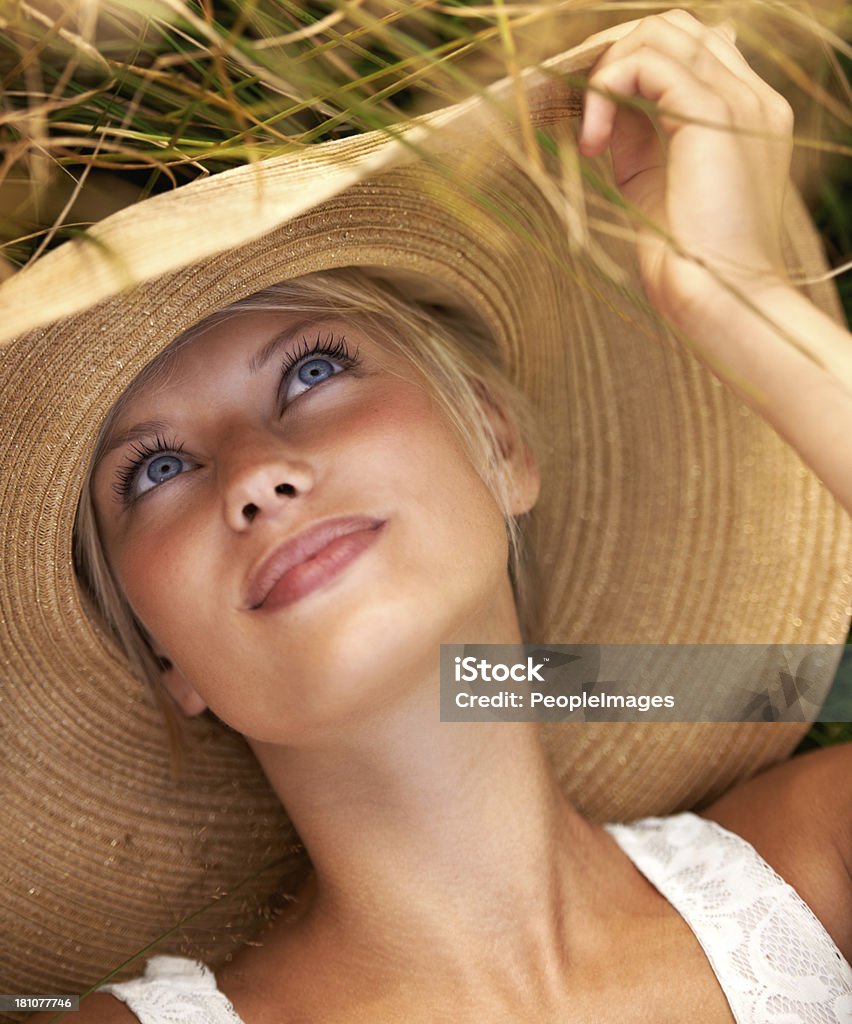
(714, 184)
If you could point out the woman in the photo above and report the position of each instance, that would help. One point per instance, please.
(385, 797)
(413, 898)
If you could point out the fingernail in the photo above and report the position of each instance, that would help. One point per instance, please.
(729, 28)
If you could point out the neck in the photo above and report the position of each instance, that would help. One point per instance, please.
(445, 851)
(432, 821)
(434, 840)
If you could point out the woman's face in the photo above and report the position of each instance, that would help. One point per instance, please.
(309, 450)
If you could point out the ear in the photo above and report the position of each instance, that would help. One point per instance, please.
(182, 692)
(518, 464)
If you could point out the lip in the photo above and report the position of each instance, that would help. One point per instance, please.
(301, 549)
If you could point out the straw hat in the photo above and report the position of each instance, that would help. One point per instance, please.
(670, 513)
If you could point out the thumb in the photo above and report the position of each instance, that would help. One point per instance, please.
(636, 147)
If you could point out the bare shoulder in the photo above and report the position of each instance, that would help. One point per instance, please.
(798, 816)
(99, 1008)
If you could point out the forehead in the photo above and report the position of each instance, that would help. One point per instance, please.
(254, 334)
(245, 343)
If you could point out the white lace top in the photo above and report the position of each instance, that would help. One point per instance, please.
(175, 990)
(775, 962)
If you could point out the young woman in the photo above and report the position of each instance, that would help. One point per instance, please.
(296, 568)
(295, 505)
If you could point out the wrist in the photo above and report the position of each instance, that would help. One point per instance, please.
(763, 329)
(723, 305)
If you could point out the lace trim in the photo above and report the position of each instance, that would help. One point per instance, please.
(175, 990)
(774, 960)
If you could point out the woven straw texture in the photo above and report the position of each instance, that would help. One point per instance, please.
(670, 513)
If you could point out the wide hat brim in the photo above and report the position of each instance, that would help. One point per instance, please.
(669, 513)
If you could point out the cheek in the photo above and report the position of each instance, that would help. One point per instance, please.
(414, 458)
(161, 573)
(403, 436)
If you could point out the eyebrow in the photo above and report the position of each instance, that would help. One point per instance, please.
(134, 433)
(254, 363)
(257, 362)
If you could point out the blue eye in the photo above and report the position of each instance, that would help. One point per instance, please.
(164, 467)
(314, 364)
(150, 466)
(310, 373)
(316, 370)
(159, 470)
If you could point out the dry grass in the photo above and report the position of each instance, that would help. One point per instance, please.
(106, 102)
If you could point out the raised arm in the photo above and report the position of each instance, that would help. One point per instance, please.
(708, 191)
(798, 816)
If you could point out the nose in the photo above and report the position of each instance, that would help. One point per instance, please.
(261, 479)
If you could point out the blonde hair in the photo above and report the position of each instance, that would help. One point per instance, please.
(457, 360)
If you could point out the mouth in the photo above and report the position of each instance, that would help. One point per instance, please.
(309, 560)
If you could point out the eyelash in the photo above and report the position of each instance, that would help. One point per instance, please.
(126, 475)
(334, 347)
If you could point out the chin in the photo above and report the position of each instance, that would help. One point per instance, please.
(355, 657)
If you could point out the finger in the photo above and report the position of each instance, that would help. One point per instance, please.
(729, 30)
(680, 35)
(635, 146)
(653, 76)
(683, 97)
(691, 44)
(676, 26)
(623, 28)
